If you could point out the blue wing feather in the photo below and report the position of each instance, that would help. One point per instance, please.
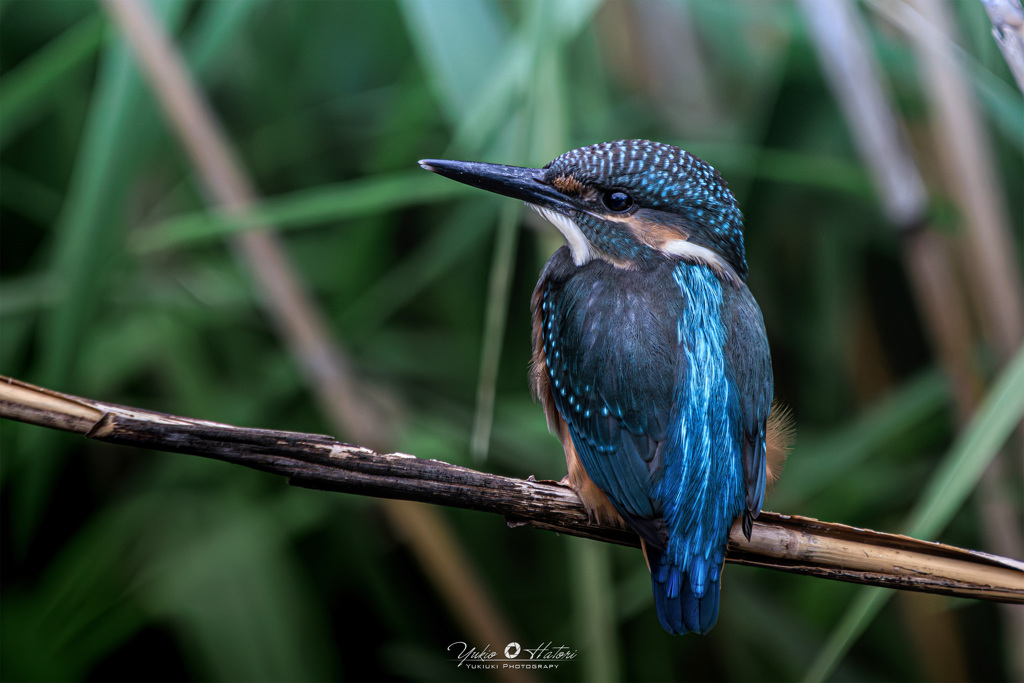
(666, 410)
(748, 360)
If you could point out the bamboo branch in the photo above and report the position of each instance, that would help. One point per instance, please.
(784, 542)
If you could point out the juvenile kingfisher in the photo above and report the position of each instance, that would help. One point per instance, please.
(650, 354)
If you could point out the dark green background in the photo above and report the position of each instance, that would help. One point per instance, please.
(117, 284)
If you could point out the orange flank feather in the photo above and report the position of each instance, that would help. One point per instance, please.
(781, 431)
(599, 508)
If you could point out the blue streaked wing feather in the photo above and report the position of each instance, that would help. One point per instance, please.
(749, 365)
(613, 351)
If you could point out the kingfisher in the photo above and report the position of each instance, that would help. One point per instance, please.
(650, 355)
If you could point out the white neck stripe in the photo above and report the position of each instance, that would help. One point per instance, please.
(578, 243)
(695, 252)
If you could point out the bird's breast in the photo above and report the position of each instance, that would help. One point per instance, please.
(609, 339)
(635, 370)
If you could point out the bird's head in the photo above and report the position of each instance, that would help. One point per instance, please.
(625, 202)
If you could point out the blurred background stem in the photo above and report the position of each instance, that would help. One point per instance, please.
(299, 322)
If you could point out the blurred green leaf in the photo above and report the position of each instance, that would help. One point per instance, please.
(997, 416)
(28, 196)
(306, 208)
(959, 472)
(445, 33)
(40, 80)
(820, 462)
(86, 241)
(221, 572)
(594, 607)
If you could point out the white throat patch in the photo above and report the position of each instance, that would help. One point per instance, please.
(578, 243)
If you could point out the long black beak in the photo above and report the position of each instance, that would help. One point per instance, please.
(526, 184)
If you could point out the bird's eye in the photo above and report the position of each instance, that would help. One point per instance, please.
(617, 201)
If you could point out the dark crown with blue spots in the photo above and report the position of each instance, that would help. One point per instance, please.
(667, 179)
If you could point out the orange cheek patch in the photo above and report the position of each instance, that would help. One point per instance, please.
(657, 235)
(653, 234)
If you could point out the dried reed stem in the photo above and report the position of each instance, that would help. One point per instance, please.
(782, 542)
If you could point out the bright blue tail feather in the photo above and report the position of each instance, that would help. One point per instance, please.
(683, 607)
